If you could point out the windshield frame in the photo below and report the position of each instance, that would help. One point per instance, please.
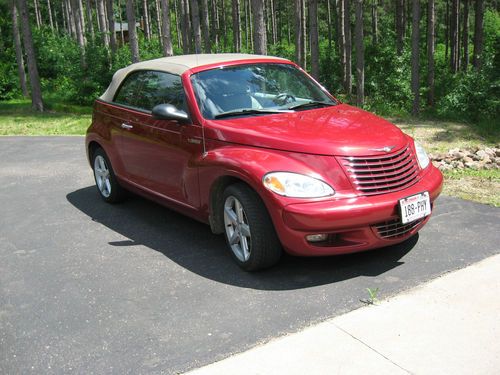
(233, 64)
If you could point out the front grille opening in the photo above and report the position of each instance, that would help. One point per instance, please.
(373, 175)
(395, 229)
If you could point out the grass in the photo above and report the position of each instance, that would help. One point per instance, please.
(17, 118)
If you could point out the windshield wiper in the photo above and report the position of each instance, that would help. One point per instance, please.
(243, 112)
(311, 103)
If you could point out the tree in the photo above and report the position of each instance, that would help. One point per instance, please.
(205, 28)
(342, 42)
(399, 26)
(374, 22)
(132, 33)
(36, 92)
(360, 55)
(80, 38)
(415, 57)
(49, 11)
(195, 22)
(185, 26)
(111, 26)
(478, 34)
(19, 50)
(236, 26)
(165, 29)
(259, 35)
(313, 29)
(431, 25)
(299, 34)
(348, 47)
(101, 16)
(147, 21)
(454, 42)
(465, 36)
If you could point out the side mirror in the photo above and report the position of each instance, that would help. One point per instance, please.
(169, 112)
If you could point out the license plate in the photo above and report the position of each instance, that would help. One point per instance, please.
(415, 207)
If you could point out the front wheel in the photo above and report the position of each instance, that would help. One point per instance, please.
(105, 179)
(249, 230)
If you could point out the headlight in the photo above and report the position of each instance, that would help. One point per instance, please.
(422, 157)
(296, 185)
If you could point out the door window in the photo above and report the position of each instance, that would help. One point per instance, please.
(146, 88)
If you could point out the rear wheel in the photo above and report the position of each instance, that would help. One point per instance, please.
(249, 230)
(105, 179)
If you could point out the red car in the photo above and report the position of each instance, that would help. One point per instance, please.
(257, 149)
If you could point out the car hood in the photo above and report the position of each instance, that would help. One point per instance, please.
(339, 130)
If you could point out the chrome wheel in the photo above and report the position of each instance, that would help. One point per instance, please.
(102, 176)
(237, 228)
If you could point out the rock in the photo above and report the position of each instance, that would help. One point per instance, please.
(445, 167)
(467, 159)
(490, 152)
(472, 165)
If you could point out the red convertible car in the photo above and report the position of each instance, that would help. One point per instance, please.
(257, 149)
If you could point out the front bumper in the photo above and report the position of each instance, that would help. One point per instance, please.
(351, 223)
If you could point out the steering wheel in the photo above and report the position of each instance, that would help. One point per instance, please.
(284, 98)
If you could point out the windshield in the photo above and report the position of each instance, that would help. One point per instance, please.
(253, 89)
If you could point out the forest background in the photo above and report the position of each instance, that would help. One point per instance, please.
(433, 58)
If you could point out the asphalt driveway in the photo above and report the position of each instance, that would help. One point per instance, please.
(87, 287)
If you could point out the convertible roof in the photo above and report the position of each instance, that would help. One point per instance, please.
(178, 65)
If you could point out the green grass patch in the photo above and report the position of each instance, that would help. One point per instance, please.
(17, 118)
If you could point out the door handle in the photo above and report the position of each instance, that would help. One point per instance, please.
(126, 126)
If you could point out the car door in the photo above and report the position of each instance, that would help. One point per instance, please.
(156, 154)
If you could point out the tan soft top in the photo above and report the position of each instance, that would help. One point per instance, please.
(177, 65)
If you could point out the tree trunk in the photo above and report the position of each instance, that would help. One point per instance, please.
(223, 23)
(299, 41)
(186, 31)
(82, 19)
(313, 29)
(465, 37)
(132, 32)
(120, 19)
(342, 41)
(214, 24)
(236, 26)
(19, 51)
(304, 34)
(447, 30)
(205, 29)
(274, 31)
(259, 35)
(71, 20)
(195, 22)
(478, 35)
(36, 92)
(79, 31)
(431, 25)
(329, 23)
(89, 19)
(111, 26)
(360, 55)
(145, 16)
(38, 16)
(247, 26)
(348, 46)
(375, 22)
(399, 26)
(177, 22)
(49, 10)
(454, 36)
(102, 22)
(165, 29)
(415, 57)
(158, 20)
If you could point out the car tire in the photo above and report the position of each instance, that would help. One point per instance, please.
(248, 229)
(105, 180)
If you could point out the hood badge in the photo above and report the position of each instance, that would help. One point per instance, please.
(383, 149)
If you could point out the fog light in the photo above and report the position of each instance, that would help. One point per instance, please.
(316, 237)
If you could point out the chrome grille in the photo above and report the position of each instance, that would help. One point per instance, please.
(382, 174)
(396, 229)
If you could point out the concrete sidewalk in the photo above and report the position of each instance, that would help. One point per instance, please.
(450, 325)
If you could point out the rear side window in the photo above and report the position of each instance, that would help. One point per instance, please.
(145, 89)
